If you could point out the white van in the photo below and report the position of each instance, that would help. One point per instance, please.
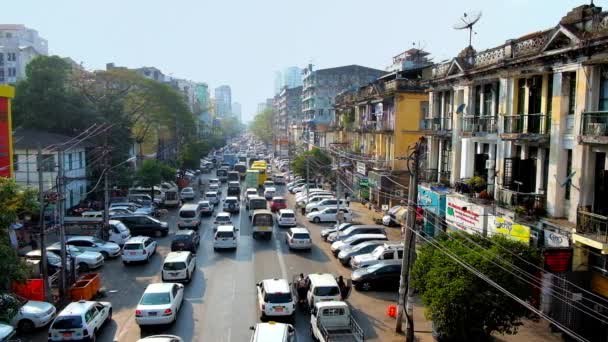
(189, 216)
(212, 197)
(323, 287)
(178, 266)
(273, 332)
(225, 237)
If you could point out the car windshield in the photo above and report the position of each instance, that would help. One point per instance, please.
(223, 218)
(67, 322)
(288, 215)
(326, 291)
(377, 252)
(224, 234)
(174, 266)
(301, 236)
(187, 213)
(279, 297)
(364, 246)
(183, 237)
(98, 241)
(157, 298)
(374, 268)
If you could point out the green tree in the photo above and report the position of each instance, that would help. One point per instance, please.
(462, 306)
(152, 172)
(262, 126)
(14, 202)
(319, 163)
(193, 152)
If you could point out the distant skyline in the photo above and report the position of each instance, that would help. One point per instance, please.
(190, 39)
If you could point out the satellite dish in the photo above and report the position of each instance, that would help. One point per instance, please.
(467, 21)
(460, 108)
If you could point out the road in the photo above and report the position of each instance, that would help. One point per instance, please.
(221, 300)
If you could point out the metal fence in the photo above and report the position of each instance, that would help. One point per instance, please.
(593, 225)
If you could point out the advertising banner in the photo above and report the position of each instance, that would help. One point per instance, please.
(431, 201)
(553, 239)
(507, 227)
(465, 216)
(6, 154)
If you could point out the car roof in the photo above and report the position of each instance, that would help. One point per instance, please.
(331, 304)
(366, 236)
(80, 237)
(185, 232)
(285, 211)
(322, 279)
(262, 211)
(158, 287)
(361, 226)
(232, 198)
(227, 228)
(276, 285)
(137, 239)
(204, 203)
(278, 198)
(210, 193)
(299, 230)
(77, 308)
(177, 256)
(223, 213)
(234, 182)
(270, 331)
(270, 189)
(189, 206)
(252, 189)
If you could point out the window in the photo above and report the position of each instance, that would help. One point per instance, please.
(521, 95)
(175, 290)
(568, 172)
(48, 163)
(12, 72)
(11, 57)
(603, 98)
(487, 99)
(81, 190)
(80, 159)
(69, 161)
(389, 255)
(571, 76)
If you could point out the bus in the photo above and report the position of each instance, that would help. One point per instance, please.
(262, 173)
(241, 168)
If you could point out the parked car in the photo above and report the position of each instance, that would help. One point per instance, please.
(144, 225)
(275, 299)
(7, 332)
(333, 321)
(222, 219)
(366, 247)
(206, 208)
(93, 244)
(119, 233)
(325, 203)
(279, 179)
(85, 260)
(161, 338)
(388, 251)
(159, 304)
(53, 260)
(298, 238)
(338, 227)
(354, 240)
(232, 205)
(273, 331)
(225, 237)
(23, 314)
(178, 266)
(80, 320)
(384, 275)
(329, 215)
(286, 218)
(278, 203)
(138, 248)
(355, 229)
(268, 184)
(185, 240)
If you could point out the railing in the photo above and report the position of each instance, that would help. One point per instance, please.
(526, 123)
(528, 203)
(444, 177)
(429, 175)
(592, 225)
(479, 124)
(436, 124)
(595, 124)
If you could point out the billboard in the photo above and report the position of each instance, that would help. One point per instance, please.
(507, 227)
(465, 216)
(6, 137)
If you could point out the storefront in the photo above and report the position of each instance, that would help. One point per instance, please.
(432, 202)
(462, 215)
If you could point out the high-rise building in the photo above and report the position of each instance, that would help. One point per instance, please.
(223, 101)
(236, 110)
(261, 107)
(18, 46)
(292, 77)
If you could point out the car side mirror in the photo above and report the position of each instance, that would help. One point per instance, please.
(252, 328)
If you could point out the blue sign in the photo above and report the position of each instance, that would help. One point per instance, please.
(432, 201)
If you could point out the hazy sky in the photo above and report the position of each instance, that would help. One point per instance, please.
(242, 42)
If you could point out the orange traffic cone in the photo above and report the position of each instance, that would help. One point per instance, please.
(392, 311)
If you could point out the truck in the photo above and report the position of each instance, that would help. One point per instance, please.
(332, 321)
(252, 179)
(230, 159)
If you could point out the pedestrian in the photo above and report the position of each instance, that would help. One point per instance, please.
(303, 210)
(342, 287)
(347, 196)
(301, 288)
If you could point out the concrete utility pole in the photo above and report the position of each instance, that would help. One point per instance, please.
(338, 216)
(106, 194)
(406, 292)
(307, 174)
(61, 204)
(43, 261)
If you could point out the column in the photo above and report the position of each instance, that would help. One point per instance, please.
(557, 154)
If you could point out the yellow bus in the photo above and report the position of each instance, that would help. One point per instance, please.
(260, 165)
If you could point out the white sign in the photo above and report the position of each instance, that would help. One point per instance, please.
(465, 216)
(361, 169)
(553, 239)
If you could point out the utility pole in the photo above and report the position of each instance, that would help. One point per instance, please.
(106, 194)
(43, 261)
(338, 215)
(307, 174)
(61, 205)
(406, 292)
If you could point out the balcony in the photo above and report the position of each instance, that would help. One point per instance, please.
(437, 126)
(435, 176)
(531, 127)
(591, 230)
(523, 204)
(593, 128)
(402, 85)
(479, 125)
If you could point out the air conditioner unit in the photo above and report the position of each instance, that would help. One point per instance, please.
(490, 163)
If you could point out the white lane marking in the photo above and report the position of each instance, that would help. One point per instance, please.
(277, 245)
(127, 327)
(229, 335)
(233, 290)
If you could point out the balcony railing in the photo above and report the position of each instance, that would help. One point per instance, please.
(593, 226)
(429, 175)
(436, 125)
(526, 124)
(531, 204)
(594, 127)
(479, 124)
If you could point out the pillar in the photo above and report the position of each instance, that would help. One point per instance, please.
(557, 154)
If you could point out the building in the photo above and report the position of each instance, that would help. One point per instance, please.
(223, 101)
(519, 133)
(151, 73)
(262, 107)
(18, 46)
(25, 163)
(319, 90)
(290, 77)
(287, 116)
(237, 110)
(203, 109)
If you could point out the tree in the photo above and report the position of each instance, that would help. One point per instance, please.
(319, 163)
(14, 201)
(262, 126)
(152, 172)
(462, 306)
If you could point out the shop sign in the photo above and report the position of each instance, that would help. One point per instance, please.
(507, 227)
(465, 216)
(553, 239)
(431, 201)
(558, 260)
(361, 168)
(6, 133)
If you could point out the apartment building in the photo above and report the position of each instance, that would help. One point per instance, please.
(18, 46)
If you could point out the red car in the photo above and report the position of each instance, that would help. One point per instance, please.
(277, 204)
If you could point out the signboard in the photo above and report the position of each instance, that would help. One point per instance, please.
(431, 201)
(361, 168)
(558, 260)
(509, 228)
(6, 135)
(465, 216)
(553, 239)
(364, 188)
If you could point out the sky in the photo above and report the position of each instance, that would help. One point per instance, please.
(242, 43)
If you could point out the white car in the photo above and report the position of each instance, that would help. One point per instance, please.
(329, 215)
(225, 237)
(93, 244)
(187, 193)
(138, 248)
(179, 266)
(248, 192)
(275, 299)
(85, 260)
(214, 187)
(214, 181)
(212, 197)
(159, 304)
(314, 198)
(298, 238)
(80, 320)
(324, 204)
(7, 332)
(232, 205)
(286, 218)
(161, 338)
(26, 315)
(222, 219)
(269, 193)
(312, 192)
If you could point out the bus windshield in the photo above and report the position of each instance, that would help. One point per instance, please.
(262, 220)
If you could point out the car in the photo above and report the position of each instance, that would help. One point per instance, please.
(159, 304)
(53, 260)
(212, 197)
(7, 332)
(269, 193)
(298, 238)
(222, 219)
(93, 244)
(278, 203)
(329, 215)
(268, 184)
(80, 320)
(384, 275)
(214, 181)
(161, 338)
(305, 195)
(387, 251)
(250, 192)
(355, 229)
(325, 203)
(25, 315)
(206, 208)
(119, 233)
(314, 198)
(138, 248)
(354, 240)
(189, 216)
(232, 205)
(144, 225)
(366, 247)
(322, 287)
(85, 260)
(234, 189)
(216, 188)
(178, 266)
(275, 299)
(273, 331)
(185, 240)
(225, 237)
(187, 193)
(286, 218)
(338, 227)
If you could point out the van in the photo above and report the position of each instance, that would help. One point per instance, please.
(189, 216)
(119, 233)
(273, 332)
(323, 287)
(178, 266)
(256, 203)
(262, 223)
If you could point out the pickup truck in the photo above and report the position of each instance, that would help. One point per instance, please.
(332, 321)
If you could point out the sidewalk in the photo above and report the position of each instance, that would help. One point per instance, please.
(530, 331)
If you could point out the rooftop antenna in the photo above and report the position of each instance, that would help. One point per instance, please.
(468, 21)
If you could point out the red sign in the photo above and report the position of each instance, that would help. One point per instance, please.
(558, 260)
(5, 139)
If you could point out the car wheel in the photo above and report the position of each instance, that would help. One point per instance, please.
(316, 220)
(93, 337)
(158, 233)
(189, 278)
(109, 318)
(25, 325)
(83, 267)
(147, 258)
(104, 254)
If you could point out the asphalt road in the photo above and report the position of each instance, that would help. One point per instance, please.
(221, 300)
